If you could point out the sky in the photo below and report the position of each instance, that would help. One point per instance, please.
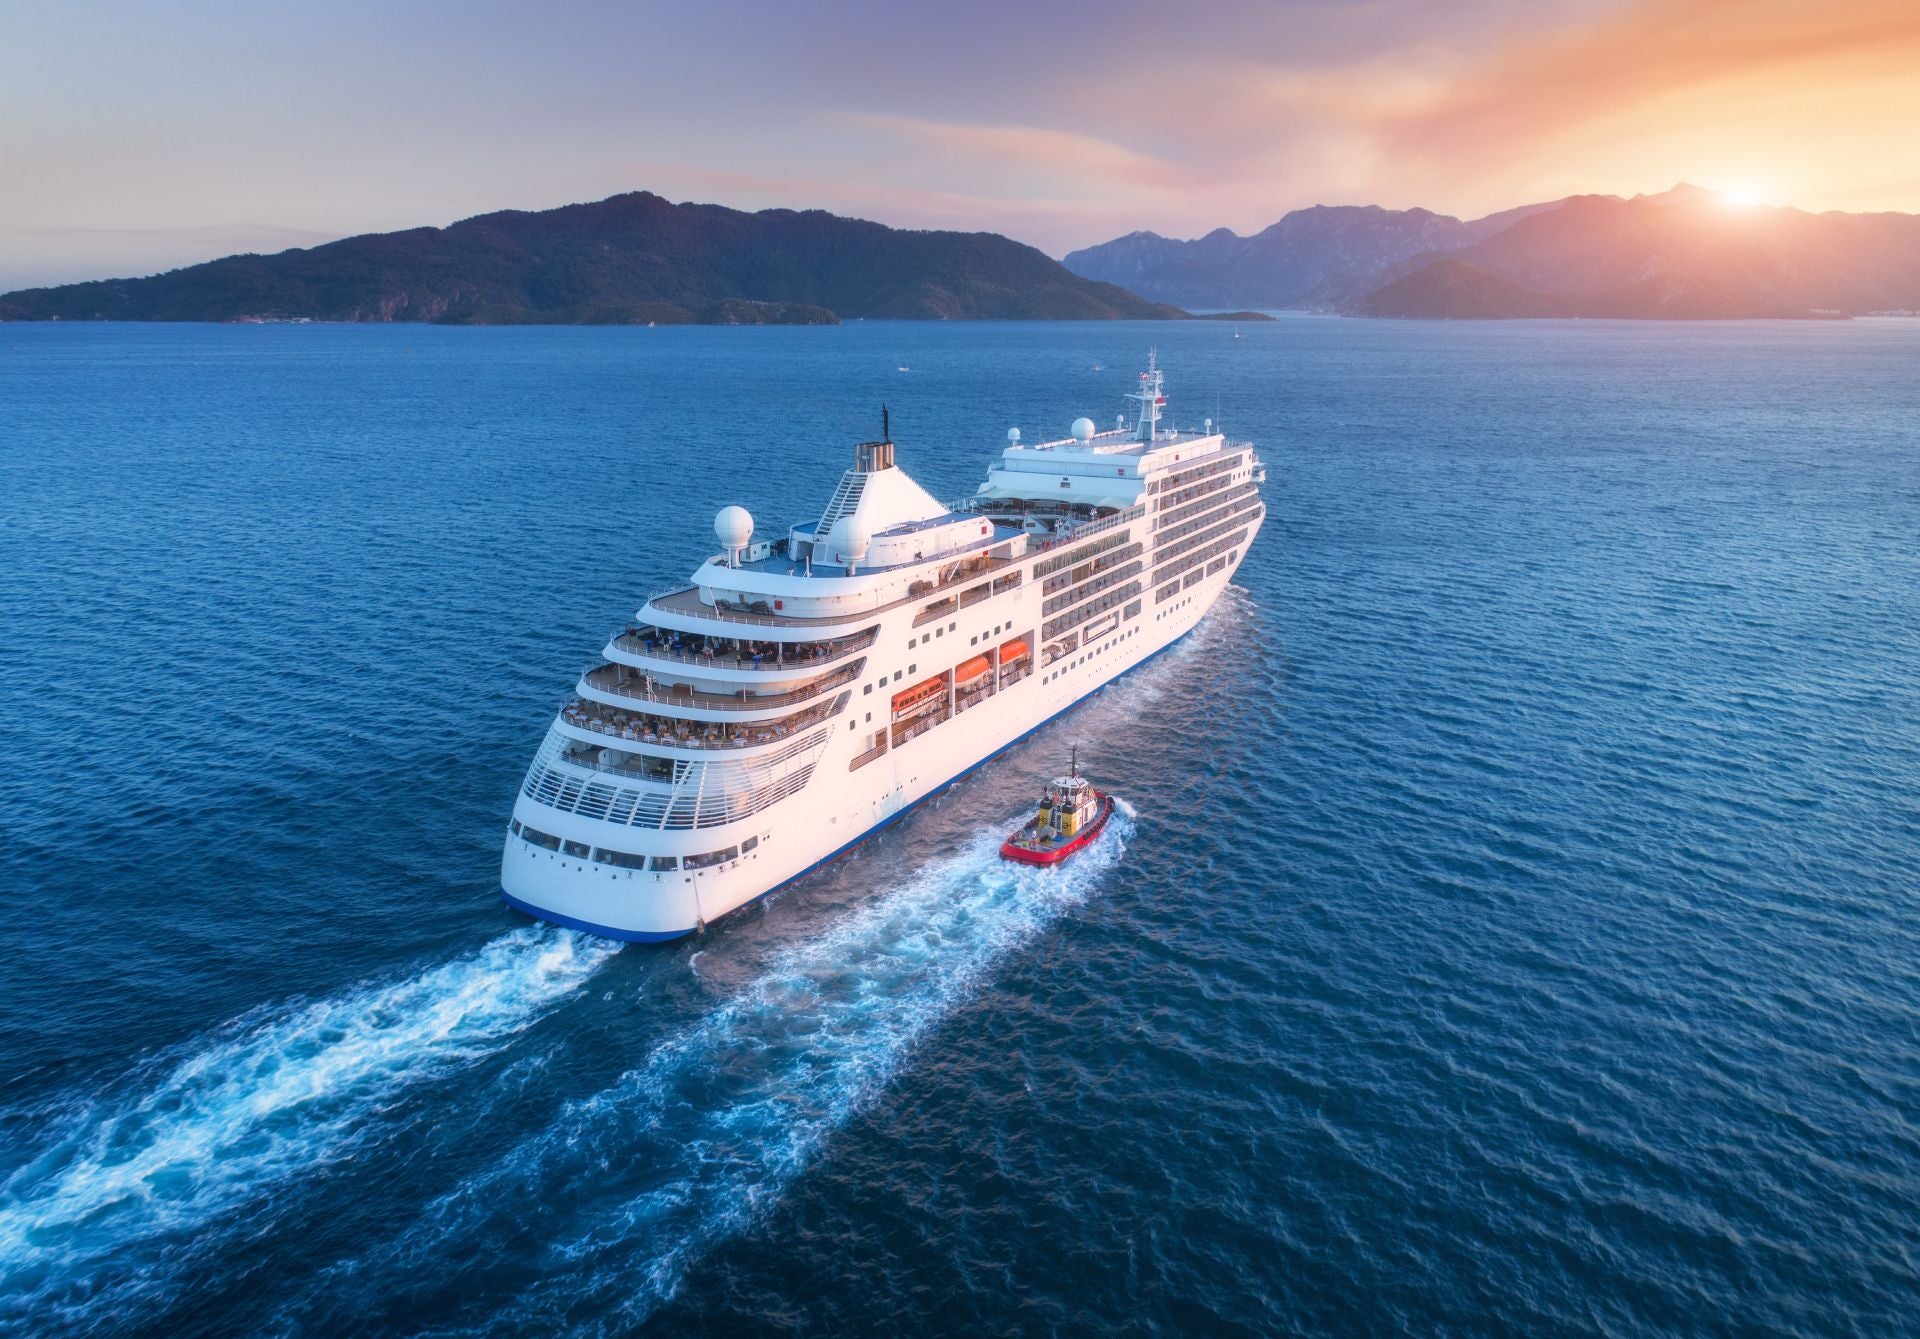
(136, 137)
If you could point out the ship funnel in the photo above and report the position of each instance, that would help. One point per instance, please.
(872, 457)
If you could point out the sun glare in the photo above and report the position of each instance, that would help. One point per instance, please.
(1740, 197)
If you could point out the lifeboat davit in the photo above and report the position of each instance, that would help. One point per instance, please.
(1072, 814)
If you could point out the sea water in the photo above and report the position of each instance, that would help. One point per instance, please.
(1514, 931)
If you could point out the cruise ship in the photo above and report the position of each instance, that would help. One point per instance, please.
(804, 690)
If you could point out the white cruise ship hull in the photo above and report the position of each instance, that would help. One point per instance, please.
(805, 692)
(840, 807)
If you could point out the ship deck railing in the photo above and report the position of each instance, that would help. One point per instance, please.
(1075, 529)
(634, 641)
(860, 760)
(680, 734)
(1099, 527)
(686, 600)
(606, 679)
(920, 725)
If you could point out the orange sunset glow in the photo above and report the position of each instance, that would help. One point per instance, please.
(1036, 122)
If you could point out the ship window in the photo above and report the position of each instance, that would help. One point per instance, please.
(620, 858)
(912, 642)
(749, 844)
(911, 669)
(665, 862)
(952, 626)
(515, 827)
(897, 674)
(539, 838)
(712, 858)
(939, 632)
(580, 849)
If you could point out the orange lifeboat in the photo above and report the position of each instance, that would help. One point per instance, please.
(971, 670)
(1012, 651)
(917, 698)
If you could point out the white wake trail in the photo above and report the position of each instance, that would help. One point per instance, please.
(246, 1111)
(630, 1187)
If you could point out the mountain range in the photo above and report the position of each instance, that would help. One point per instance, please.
(637, 258)
(633, 258)
(1685, 253)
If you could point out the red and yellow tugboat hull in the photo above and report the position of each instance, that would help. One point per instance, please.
(1054, 853)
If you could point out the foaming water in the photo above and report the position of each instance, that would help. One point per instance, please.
(629, 1188)
(274, 1096)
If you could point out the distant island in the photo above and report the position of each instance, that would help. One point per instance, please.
(1687, 253)
(638, 259)
(631, 259)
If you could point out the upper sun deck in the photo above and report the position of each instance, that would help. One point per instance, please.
(1097, 469)
(894, 545)
(1111, 443)
(883, 539)
(1116, 454)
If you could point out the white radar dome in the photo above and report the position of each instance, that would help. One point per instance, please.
(1013, 436)
(849, 539)
(1082, 430)
(733, 527)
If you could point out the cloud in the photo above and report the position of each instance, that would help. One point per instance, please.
(1022, 153)
(1725, 61)
(1055, 188)
(1807, 101)
(34, 255)
(927, 118)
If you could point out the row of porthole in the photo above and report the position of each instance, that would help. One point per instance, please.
(929, 636)
(627, 860)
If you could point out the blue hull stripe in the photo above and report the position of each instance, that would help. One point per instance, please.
(666, 936)
(604, 931)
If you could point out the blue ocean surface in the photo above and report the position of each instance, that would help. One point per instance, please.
(1515, 930)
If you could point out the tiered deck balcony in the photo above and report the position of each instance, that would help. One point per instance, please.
(611, 686)
(688, 606)
(744, 658)
(596, 722)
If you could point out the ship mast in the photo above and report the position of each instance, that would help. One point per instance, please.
(1151, 395)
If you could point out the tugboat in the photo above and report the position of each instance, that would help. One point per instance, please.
(1072, 813)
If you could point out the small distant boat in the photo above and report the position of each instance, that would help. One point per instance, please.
(1236, 330)
(903, 369)
(1072, 814)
